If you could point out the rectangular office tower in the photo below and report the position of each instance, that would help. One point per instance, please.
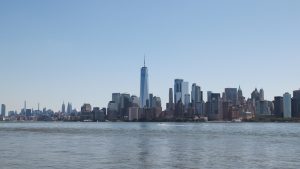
(278, 106)
(296, 104)
(231, 95)
(3, 107)
(287, 105)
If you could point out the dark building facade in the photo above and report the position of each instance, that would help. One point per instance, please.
(214, 107)
(98, 114)
(28, 112)
(170, 105)
(125, 104)
(231, 95)
(278, 106)
(3, 110)
(227, 116)
(296, 104)
(86, 113)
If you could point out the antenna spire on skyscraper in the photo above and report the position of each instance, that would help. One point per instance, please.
(144, 60)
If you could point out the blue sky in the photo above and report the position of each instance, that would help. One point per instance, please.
(81, 51)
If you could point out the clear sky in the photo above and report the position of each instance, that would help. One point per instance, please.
(82, 51)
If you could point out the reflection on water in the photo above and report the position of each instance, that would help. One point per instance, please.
(150, 145)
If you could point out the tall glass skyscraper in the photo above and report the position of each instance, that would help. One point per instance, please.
(178, 90)
(181, 88)
(144, 88)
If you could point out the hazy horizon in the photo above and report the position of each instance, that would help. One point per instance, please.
(83, 51)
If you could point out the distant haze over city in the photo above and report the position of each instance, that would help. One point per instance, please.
(81, 52)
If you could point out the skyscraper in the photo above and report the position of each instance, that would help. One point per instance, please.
(296, 104)
(196, 94)
(86, 112)
(187, 100)
(214, 111)
(63, 108)
(171, 96)
(240, 92)
(197, 99)
(144, 86)
(3, 109)
(231, 95)
(255, 95)
(125, 102)
(261, 94)
(241, 98)
(24, 109)
(278, 106)
(170, 105)
(150, 101)
(287, 105)
(181, 88)
(296, 93)
(69, 108)
(185, 90)
(209, 96)
(116, 97)
(135, 101)
(178, 90)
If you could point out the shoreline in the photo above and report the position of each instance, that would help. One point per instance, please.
(246, 121)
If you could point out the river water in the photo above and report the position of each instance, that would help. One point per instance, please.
(149, 145)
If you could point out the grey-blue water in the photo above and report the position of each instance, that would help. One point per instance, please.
(149, 145)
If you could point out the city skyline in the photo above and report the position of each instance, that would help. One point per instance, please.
(83, 57)
(181, 94)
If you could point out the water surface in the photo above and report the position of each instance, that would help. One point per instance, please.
(150, 145)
